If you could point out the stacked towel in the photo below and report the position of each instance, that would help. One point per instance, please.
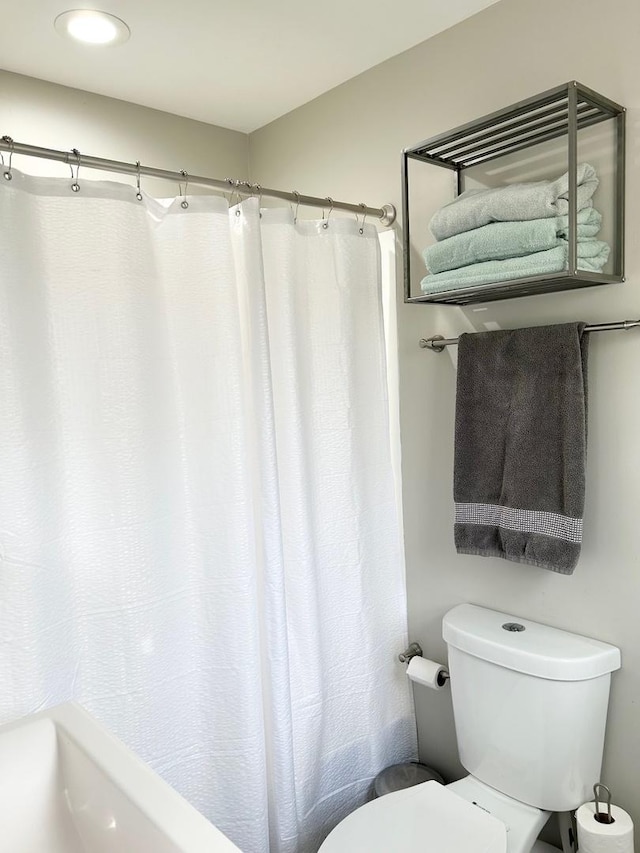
(592, 256)
(516, 231)
(515, 202)
(508, 240)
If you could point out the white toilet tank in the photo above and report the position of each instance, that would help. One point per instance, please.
(530, 705)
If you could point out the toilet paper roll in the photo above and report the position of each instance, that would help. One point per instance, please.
(427, 672)
(596, 837)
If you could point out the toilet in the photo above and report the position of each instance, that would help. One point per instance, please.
(530, 708)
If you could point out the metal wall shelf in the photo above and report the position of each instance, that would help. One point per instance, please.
(559, 112)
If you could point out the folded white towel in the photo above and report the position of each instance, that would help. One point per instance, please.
(516, 202)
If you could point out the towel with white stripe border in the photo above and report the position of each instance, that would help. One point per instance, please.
(520, 445)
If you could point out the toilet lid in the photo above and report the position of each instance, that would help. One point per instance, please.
(427, 818)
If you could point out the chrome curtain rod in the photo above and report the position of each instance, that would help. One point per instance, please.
(385, 214)
(437, 343)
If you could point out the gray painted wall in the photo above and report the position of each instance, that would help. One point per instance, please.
(347, 144)
(51, 116)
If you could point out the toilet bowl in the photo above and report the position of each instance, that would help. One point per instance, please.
(530, 706)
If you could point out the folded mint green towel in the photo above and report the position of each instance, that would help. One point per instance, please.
(515, 202)
(502, 240)
(592, 256)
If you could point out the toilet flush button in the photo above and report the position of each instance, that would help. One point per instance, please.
(513, 626)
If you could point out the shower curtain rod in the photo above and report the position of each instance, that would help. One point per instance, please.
(386, 214)
(437, 343)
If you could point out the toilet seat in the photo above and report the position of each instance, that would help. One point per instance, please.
(427, 818)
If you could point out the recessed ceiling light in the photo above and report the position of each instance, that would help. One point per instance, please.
(92, 27)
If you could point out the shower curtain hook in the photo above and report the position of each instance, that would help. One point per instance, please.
(75, 186)
(139, 192)
(184, 204)
(7, 172)
(249, 191)
(364, 216)
(233, 195)
(239, 196)
(258, 189)
(325, 224)
(229, 198)
(295, 212)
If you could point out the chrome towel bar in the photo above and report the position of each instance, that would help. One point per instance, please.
(437, 343)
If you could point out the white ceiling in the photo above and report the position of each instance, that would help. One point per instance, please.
(238, 63)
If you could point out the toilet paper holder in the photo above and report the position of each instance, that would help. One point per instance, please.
(414, 650)
(602, 817)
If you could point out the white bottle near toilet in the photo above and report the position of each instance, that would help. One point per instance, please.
(530, 707)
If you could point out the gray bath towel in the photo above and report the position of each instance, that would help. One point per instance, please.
(519, 473)
(514, 202)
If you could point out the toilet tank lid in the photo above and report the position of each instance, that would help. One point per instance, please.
(527, 647)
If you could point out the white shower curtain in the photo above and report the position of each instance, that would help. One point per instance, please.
(198, 532)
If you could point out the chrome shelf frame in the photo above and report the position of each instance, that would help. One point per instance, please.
(562, 111)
